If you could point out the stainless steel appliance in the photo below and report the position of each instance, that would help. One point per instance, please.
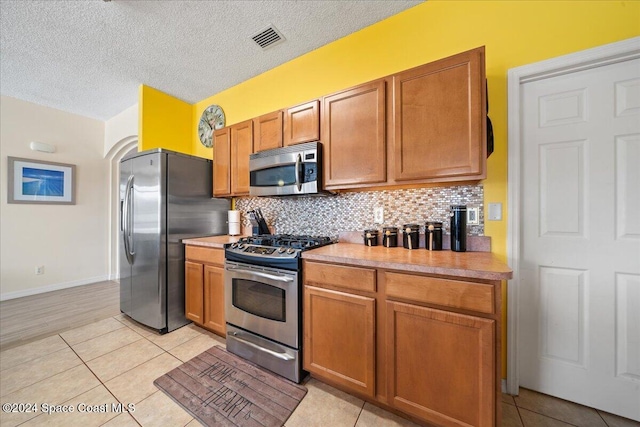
(164, 197)
(287, 171)
(263, 300)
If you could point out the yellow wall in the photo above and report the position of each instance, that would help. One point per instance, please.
(514, 32)
(164, 121)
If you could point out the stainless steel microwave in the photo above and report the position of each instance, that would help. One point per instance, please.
(287, 171)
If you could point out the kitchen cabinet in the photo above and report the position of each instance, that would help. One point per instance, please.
(302, 123)
(222, 162)
(433, 337)
(339, 327)
(204, 288)
(441, 365)
(439, 120)
(353, 134)
(268, 131)
(232, 147)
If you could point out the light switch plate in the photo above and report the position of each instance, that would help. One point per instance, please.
(495, 212)
(473, 216)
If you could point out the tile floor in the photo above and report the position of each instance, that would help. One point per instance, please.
(116, 360)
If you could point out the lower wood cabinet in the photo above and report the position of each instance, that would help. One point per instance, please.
(204, 288)
(424, 345)
(441, 365)
(339, 338)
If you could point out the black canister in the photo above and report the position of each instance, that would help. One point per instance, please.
(371, 237)
(411, 236)
(433, 236)
(390, 237)
(458, 228)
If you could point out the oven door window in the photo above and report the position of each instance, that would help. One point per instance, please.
(259, 299)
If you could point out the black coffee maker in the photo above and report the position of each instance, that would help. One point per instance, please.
(458, 228)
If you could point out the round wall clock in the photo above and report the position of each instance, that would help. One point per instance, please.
(212, 118)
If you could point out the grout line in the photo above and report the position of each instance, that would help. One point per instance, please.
(359, 413)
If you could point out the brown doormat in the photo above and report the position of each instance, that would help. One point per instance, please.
(221, 389)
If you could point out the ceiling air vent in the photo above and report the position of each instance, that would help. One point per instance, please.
(268, 37)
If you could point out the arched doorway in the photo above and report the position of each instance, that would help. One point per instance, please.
(115, 154)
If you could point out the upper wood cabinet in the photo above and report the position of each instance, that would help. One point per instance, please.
(353, 134)
(241, 148)
(302, 123)
(232, 147)
(222, 162)
(439, 120)
(268, 131)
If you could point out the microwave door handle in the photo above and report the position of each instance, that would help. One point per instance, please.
(298, 172)
(261, 274)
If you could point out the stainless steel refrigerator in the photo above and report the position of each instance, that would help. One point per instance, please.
(164, 197)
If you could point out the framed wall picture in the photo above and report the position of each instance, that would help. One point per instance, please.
(35, 181)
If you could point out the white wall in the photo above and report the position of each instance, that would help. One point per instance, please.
(71, 241)
(121, 127)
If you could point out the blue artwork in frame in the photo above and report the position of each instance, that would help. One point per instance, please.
(35, 181)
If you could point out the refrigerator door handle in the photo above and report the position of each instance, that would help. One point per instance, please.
(127, 220)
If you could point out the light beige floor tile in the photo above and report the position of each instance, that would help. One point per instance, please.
(53, 390)
(559, 409)
(325, 406)
(159, 410)
(533, 419)
(123, 359)
(507, 398)
(92, 408)
(139, 328)
(137, 384)
(372, 416)
(194, 347)
(34, 350)
(103, 344)
(37, 370)
(510, 416)
(173, 338)
(616, 421)
(122, 420)
(92, 330)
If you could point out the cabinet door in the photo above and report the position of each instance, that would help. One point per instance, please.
(339, 338)
(441, 365)
(302, 123)
(353, 133)
(222, 162)
(268, 131)
(214, 299)
(241, 148)
(440, 120)
(194, 291)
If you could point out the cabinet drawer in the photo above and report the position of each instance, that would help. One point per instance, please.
(450, 293)
(353, 278)
(205, 255)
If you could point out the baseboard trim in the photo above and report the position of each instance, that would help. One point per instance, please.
(54, 287)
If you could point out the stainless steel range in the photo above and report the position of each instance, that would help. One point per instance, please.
(263, 300)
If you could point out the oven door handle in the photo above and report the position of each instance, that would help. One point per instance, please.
(283, 356)
(261, 274)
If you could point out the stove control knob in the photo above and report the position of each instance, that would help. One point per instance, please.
(281, 249)
(291, 251)
(234, 245)
(240, 245)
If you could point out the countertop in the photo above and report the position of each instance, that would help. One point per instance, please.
(212, 241)
(474, 265)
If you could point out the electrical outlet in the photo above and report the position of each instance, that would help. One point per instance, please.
(40, 269)
(473, 217)
(378, 215)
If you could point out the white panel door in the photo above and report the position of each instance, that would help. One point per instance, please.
(579, 323)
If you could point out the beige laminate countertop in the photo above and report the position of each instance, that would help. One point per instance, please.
(474, 265)
(212, 241)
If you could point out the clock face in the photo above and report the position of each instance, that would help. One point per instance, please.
(212, 118)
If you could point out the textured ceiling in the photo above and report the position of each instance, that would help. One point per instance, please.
(89, 56)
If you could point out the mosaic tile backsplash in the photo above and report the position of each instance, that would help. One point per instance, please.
(353, 211)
